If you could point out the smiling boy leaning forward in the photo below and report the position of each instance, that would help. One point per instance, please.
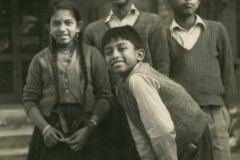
(153, 102)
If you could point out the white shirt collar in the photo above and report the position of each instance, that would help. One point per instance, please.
(174, 25)
(133, 10)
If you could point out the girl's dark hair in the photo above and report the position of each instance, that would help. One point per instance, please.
(63, 4)
(67, 5)
(126, 33)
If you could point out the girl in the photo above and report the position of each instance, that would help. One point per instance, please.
(67, 92)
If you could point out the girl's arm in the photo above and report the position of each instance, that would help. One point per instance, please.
(51, 135)
(103, 97)
(101, 85)
(32, 93)
(35, 116)
(31, 96)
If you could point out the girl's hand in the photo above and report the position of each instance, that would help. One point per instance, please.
(52, 137)
(79, 139)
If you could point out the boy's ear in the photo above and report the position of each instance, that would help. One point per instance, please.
(140, 54)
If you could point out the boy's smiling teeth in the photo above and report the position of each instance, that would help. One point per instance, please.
(116, 62)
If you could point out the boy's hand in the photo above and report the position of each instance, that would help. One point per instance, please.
(79, 139)
(52, 137)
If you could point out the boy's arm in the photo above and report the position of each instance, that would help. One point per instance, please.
(226, 64)
(158, 46)
(154, 115)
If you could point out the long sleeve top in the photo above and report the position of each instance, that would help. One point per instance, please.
(40, 88)
(155, 118)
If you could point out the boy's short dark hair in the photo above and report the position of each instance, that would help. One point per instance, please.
(126, 33)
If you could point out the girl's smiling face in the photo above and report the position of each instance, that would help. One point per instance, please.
(64, 27)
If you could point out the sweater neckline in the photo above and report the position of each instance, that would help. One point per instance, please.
(140, 13)
(194, 46)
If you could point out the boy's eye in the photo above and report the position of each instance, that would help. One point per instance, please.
(121, 49)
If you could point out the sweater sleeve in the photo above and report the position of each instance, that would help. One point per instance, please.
(154, 115)
(88, 37)
(159, 47)
(226, 64)
(32, 89)
(101, 84)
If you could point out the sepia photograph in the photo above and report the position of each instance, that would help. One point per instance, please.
(119, 79)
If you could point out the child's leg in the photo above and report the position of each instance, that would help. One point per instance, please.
(219, 131)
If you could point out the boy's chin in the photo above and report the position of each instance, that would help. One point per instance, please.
(123, 75)
(189, 12)
(119, 72)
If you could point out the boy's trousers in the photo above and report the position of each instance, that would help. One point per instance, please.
(218, 129)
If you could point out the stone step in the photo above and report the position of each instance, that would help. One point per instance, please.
(13, 118)
(13, 154)
(15, 132)
(15, 138)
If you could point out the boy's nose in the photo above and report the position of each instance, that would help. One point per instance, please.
(115, 53)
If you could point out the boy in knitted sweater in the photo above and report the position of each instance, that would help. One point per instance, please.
(202, 61)
(153, 102)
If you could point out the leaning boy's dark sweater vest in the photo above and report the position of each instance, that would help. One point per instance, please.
(198, 70)
(189, 120)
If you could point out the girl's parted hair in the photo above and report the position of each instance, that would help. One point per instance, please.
(63, 4)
